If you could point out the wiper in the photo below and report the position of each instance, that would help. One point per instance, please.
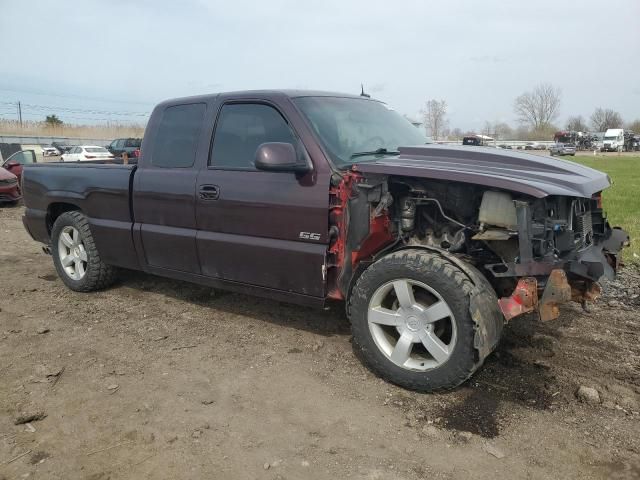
(380, 151)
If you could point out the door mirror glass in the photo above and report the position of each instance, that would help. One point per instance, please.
(279, 157)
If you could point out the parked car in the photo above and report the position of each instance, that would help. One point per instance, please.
(15, 163)
(62, 147)
(86, 153)
(534, 146)
(562, 149)
(129, 145)
(49, 151)
(309, 198)
(11, 175)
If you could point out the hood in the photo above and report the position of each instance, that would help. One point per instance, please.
(534, 175)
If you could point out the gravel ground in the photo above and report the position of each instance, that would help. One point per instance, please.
(160, 379)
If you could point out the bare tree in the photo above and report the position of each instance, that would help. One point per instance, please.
(434, 115)
(539, 107)
(577, 124)
(456, 133)
(605, 118)
(502, 130)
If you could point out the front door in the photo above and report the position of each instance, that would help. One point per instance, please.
(268, 229)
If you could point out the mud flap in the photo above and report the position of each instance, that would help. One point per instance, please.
(483, 306)
(488, 318)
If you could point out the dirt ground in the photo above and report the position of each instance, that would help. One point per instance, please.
(160, 379)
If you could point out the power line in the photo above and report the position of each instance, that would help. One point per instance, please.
(82, 97)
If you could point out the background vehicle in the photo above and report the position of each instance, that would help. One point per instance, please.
(11, 175)
(310, 197)
(562, 149)
(15, 163)
(61, 147)
(84, 153)
(613, 140)
(477, 140)
(534, 146)
(129, 145)
(49, 151)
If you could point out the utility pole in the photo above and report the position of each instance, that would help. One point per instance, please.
(20, 114)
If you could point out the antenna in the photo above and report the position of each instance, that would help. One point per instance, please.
(362, 94)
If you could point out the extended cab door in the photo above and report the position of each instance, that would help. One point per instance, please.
(266, 229)
(164, 189)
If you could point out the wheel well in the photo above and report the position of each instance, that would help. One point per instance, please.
(55, 210)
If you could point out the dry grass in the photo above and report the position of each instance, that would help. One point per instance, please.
(107, 131)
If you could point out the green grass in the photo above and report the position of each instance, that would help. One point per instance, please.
(621, 200)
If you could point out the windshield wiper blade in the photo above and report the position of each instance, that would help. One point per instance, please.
(380, 151)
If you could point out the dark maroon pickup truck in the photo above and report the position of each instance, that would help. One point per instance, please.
(309, 197)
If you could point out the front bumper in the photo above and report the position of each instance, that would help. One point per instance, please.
(560, 282)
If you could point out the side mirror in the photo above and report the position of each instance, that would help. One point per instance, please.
(279, 157)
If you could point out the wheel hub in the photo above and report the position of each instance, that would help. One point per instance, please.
(413, 322)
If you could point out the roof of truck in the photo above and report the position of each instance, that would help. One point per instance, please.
(291, 93)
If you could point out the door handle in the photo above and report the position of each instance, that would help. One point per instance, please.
(209, 192)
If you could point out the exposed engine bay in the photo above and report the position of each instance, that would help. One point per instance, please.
(507, 236)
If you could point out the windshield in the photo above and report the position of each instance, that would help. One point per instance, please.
(610, 138)
(96, 150)
(355, 130)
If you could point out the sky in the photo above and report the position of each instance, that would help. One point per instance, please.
(91, 61)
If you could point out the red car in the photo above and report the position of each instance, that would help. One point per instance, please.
(11, 175)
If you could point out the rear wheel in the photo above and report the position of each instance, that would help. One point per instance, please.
(411, 321)
(75, 255)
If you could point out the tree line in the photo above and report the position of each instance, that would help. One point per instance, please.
(536, 110)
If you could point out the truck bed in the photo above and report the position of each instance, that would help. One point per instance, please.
(101, 190)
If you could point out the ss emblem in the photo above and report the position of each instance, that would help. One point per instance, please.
(309, 236)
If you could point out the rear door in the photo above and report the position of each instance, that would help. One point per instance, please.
(164, 190)
(268, 229)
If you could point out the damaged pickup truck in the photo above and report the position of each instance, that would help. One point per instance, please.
(310, 197)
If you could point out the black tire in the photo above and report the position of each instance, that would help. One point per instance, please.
(98, 275)
(455, 288)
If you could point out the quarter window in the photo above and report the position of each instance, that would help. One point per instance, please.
(177, 136)
(241, 129)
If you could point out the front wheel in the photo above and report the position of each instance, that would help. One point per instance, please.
(75, 255)
(411, 321)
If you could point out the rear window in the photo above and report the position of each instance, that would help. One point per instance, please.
(96, 150)
(176, 140)
(132, 142)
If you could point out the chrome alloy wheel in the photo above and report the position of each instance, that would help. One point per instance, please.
(412, 324)
(72, 253)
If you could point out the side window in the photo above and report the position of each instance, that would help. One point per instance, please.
(23, 157)
(176, 140)
(241, 128)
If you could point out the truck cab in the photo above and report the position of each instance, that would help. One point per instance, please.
(613, 140)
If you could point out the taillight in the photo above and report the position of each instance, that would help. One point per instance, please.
(136, 152)
(89, 156)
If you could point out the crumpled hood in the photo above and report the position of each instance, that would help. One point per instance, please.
(534, 175)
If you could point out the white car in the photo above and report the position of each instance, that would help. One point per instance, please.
(50, 151)
(85, 153)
